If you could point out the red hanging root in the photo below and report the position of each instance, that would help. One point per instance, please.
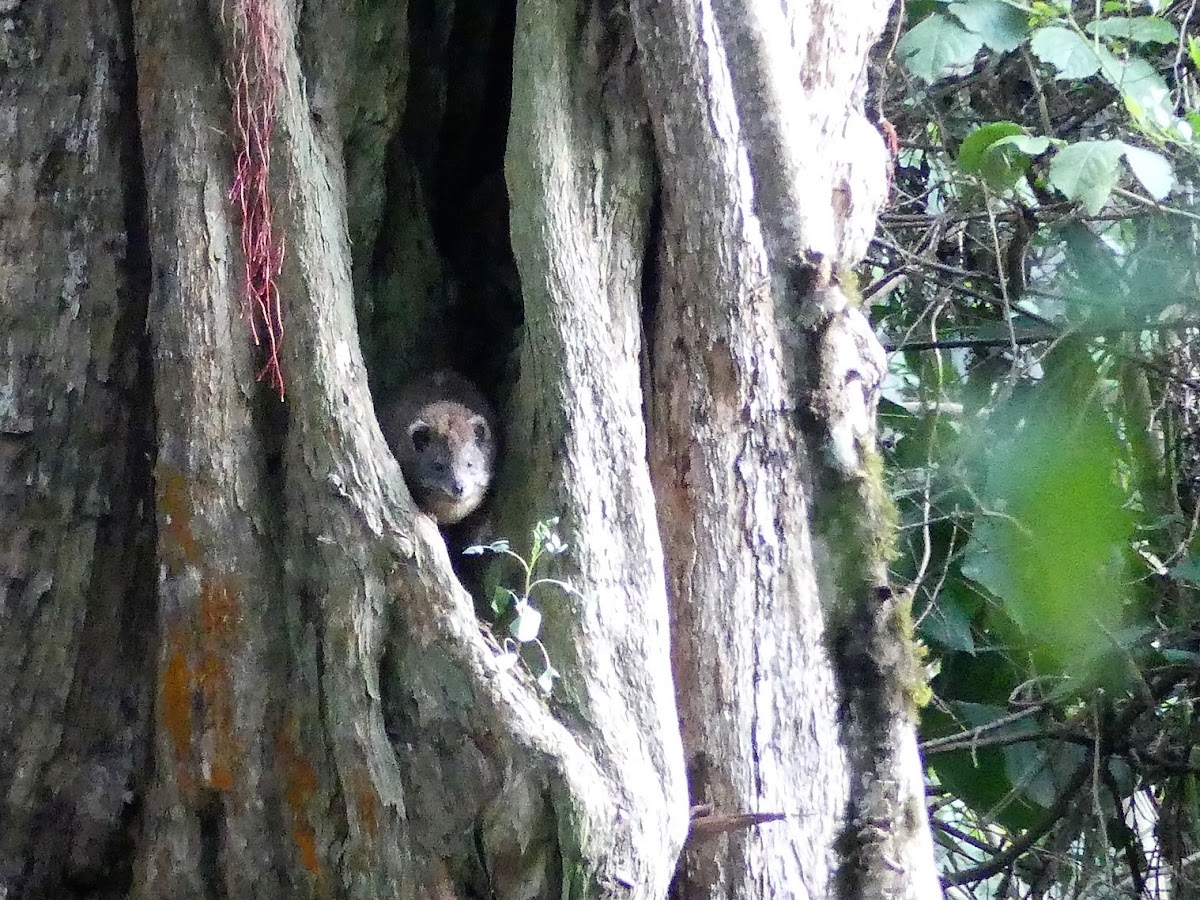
(257, 82)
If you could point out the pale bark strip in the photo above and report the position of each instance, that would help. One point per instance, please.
(75, 538)
(823, 147)
(580, 181)
(785, 374)
(215, 801)
(756, 686)
(797, 76)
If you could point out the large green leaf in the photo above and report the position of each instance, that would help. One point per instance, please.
(1070, 53)
(1140, 85)
(1002, 26)
(1087, 172)
(1000, 153)
(1139, 29)
(980, 778)
(948, 624)
(1051, 549)
(937, 47)
(1152, 169)
(1041, 771)
(1188, 570)
(970, 154)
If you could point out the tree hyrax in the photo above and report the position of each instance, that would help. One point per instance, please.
(442, 432)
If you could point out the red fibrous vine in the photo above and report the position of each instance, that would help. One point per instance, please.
(257, 80)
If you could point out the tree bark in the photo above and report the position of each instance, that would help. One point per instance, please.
(794, 663)
(234, 658)
(77, 569)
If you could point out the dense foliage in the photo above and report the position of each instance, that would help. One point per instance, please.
(1035, 278)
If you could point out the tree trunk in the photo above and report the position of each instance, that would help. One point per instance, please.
(77, 567)
(236, 659)
(792, 658)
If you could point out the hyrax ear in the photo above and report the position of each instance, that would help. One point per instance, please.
(482, 431)
(420, 434)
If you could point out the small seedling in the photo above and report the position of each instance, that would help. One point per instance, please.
(525, 620)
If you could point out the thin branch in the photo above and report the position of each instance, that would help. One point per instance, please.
(1038, 337)
(971, 737)
(1155, 205)
(1003, 860)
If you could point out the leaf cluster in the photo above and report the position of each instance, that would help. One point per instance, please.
(1036, 280)
(514, 610)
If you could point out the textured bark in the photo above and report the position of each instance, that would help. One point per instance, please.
(234, 659)
(443, 769)
(581, 183)
(793, 665)
(76, 533)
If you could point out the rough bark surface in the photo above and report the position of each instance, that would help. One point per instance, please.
(234, 659)
(581, 182)
(76, 528)
(764, 387)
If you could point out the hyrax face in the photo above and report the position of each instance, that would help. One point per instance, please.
(447, 460)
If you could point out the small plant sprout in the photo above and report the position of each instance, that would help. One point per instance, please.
(526, 620)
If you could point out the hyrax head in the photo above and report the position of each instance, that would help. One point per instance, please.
(448, 460)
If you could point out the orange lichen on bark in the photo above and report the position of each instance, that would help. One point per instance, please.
(218, 609)
(179, 545)
(366, 803)
(196, 691)
(177, 701)
(217, 615)
(213, 678)
(175, 707)
(300, 779)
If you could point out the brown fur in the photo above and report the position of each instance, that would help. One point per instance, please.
(443, 433)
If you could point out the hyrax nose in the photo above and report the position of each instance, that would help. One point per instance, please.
(457, 488)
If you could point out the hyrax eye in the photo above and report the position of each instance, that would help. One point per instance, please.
(420, 434)
(481, 431)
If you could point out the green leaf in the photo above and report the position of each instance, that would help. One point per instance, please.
(546, 680)
(502, 600)
(1184, 657)
(985, 563)
(937, 47)
(1001, 25)
(948, 625)
(1193, 49)
(1140, 85)
(527, 624)
(1030, 145)
(975, 144)
(1087, 172)
(1052, 552)
(1007, 160)
(1152, 169)
(1041, 773)
(978, 777)
(1066, 51)
(1138, 29)
(1000, 153)
(1188, 570)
